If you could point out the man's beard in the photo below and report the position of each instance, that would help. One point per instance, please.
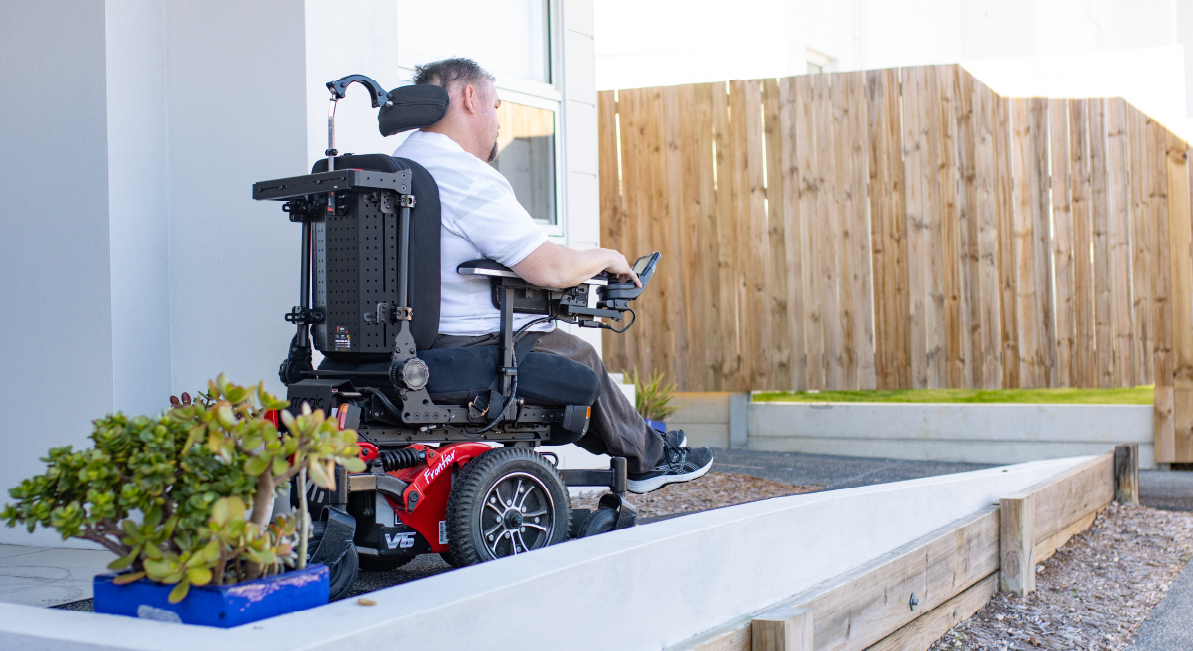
(493, 153)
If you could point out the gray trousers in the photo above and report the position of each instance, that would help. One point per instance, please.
(616, 429)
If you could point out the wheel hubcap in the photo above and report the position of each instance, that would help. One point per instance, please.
(518, 515)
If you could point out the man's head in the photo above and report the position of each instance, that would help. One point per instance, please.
(471, 118)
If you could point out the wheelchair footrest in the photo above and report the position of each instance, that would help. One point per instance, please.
(614, 478)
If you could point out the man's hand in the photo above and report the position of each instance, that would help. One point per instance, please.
(556, 266)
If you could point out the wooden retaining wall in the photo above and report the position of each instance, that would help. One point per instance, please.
(908, 598)
(902, 228)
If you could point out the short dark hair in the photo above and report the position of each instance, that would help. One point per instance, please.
(446, 71)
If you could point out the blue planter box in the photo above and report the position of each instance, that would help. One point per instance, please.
(657, 424)
(224, 606)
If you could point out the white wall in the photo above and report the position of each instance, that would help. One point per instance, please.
(56, 372)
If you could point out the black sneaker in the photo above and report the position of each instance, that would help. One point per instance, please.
(678, 465)
(674, 438)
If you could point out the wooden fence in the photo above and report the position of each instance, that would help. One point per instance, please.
(903, 228)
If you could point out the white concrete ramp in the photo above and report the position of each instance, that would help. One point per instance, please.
(644, 588)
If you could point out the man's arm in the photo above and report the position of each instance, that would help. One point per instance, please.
(551, 265)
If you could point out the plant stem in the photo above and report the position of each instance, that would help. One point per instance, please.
(304, 525)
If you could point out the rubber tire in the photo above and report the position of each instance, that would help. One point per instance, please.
(343, 575)
(599, 521)
(472, 483)
(387, 564)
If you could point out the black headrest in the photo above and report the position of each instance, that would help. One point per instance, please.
(412, 107)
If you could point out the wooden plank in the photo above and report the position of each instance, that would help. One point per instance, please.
(952, 248)
(689, 266)
(967, 209)
(1031, 252)
(987, 220)
(926, 629)
(726, 154)
(1180, 246)
(672, 232)
(888, 231)
(1100, 217)
(655, 353)
(732, 638)
(1017, 567)
(1162, 358)
(1119, 236)
(631, 117)
(1126, 473)
(1072, 495)
(827, 270)
(612, 212)
(863, 606)
(779, 261)
(1004, 200)
(1084, 349)
(787, 629)
(792, 233)
(1141, 259)
(811, 243)
(925, 283)
(1062, 241)
(851, 153)
(753, 248)
(707, 246)
(1048, 546)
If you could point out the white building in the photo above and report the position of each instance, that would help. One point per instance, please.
(134, 263)
(1137, 49)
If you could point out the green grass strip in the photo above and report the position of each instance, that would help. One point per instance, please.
(1132, 396)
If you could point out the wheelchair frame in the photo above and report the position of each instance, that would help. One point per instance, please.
(399, 429)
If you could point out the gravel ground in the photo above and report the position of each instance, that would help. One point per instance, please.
(714, 490)
(1093, 593)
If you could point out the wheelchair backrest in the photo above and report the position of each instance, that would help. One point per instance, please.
(355, 266)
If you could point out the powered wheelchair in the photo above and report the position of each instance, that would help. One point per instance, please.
(429, 418)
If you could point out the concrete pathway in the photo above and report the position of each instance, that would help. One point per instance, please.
(1170, 625)
(41, 576)
(1171, 489)
(832, 472)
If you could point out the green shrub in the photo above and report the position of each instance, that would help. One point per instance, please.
(652, 398)
(185, 498)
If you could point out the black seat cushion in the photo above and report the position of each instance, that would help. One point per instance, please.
(459, 374)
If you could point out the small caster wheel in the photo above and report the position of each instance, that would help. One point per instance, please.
(599, 521)
(343, 575)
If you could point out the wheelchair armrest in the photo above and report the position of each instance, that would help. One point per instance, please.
(492, 269)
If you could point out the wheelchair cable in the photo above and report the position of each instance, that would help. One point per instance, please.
(635, 318)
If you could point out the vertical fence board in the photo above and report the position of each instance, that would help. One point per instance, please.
(652, 232)
(986, 206)
(727, 233)
(1084, 352)
(1118, 235)
(675, 156)
(1141, 237)
(1062, 241)
(810, 242)
(1032, 277)
(921, 126)
(1100, 212)
(1162, 358)
(950, 228)
(791, 223)
(827, 265)
(1005, 207)
(971, 291)
(779, 260)
(752, 249)
(843, 193)
(690, 269)
(612, 214)
(1180, 239)
(888, 232)
(629, 113)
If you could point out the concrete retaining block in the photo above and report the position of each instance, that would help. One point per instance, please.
(643, 588)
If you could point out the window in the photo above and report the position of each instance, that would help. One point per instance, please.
(819, 62)
(513, 40)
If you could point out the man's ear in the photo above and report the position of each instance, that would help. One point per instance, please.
(471, 97)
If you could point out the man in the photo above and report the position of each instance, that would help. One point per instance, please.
(482, 219)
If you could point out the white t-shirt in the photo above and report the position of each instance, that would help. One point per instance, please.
(480, 218)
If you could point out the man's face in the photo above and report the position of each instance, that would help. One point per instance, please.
(487, 124)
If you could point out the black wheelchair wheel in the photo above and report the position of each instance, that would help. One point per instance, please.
(384, 564)
(599, 521)
(343, 574)
(507, 501)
